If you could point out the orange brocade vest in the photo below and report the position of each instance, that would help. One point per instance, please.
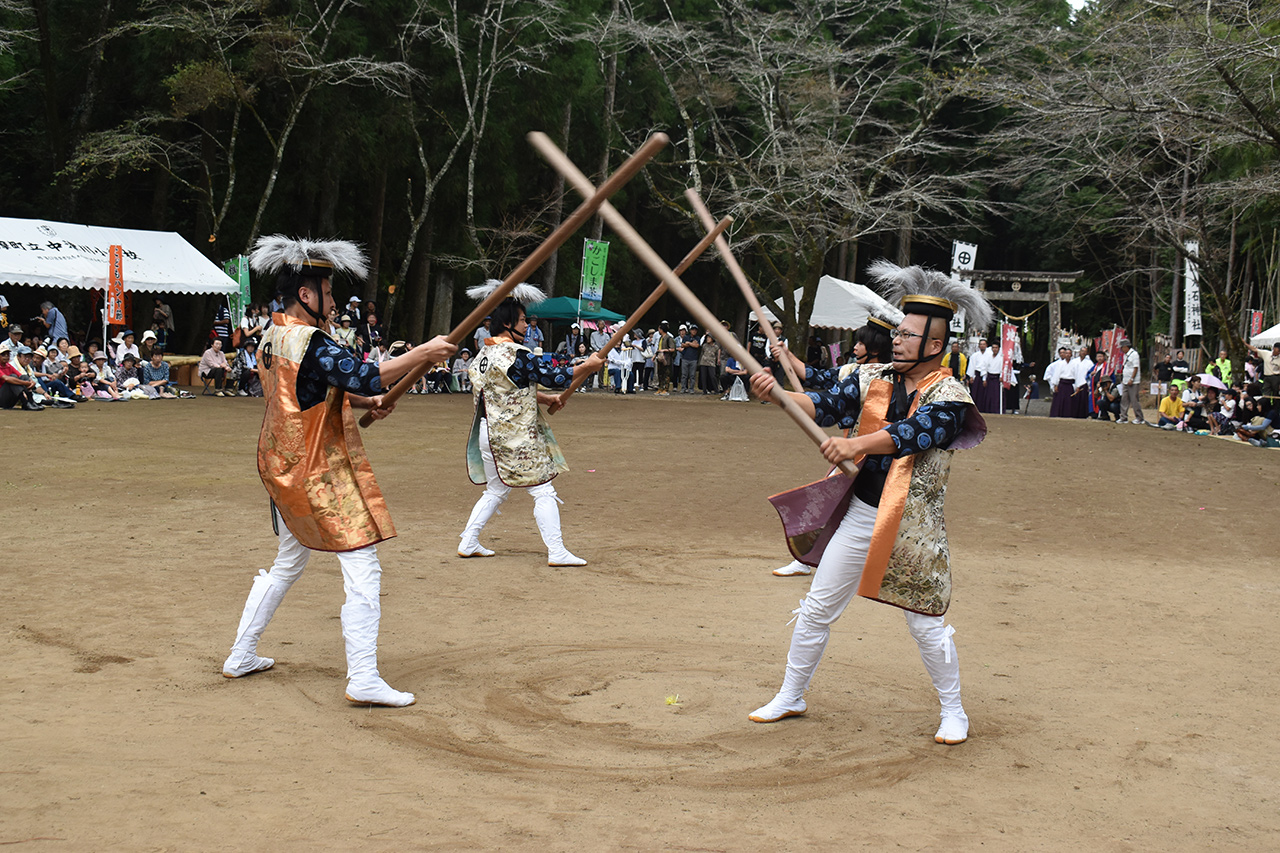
(313, 462)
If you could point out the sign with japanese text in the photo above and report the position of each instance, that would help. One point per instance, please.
(1191, 299)
(1255, 323)
(1008, 344)
(237, 269)
(595, 253)
(115, 286)
(963, 257)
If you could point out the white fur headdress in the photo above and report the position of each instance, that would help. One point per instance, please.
(524, 293)
(924, 291)
(275, 253)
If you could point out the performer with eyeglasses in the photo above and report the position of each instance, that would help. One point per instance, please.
(889, 545)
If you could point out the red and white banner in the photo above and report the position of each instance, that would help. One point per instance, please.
(115, 286)
(1115, 358)
(1255, 323)
(1008, 343)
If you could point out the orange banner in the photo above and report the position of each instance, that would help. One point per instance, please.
(115, 287)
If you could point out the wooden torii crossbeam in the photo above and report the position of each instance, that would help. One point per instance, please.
(1055, 297)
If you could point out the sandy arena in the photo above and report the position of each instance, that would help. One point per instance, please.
(1116, 598)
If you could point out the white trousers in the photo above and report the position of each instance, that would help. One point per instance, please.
(362, 583)
(835, 582)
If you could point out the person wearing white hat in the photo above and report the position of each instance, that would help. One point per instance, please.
(890, 544)
(510, 444)
(323, 493)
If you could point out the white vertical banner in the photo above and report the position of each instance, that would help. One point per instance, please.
(963, 257)
(1191, 291)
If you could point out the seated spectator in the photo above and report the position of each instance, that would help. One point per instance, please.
(49, 376)
(80, 373)
(378, 354)
(104, 378)
(58, 355)
(128, 378)
(1171, 408)
(12, 343)
(1260, 431)
(147, 345)
(155, 376)
(344, 334)
(438, 379)
(15, 387)
(247, 368)
(124, 344)
(461, 365)
(90, 352)
(214, 366)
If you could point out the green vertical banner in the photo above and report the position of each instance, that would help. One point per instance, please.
(595, 253)
(237, 269)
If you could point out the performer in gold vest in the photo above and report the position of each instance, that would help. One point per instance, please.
(510, 444)
(311, 459)
(890, 544)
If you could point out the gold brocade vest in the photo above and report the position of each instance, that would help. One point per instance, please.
(909, 564)
(313, 462)
(524, 449)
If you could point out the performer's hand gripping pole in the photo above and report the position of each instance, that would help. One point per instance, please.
(576, 220)
(659, 268)
(638, 314)
(722, 245)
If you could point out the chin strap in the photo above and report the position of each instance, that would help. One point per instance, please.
(928, 322)
(319, 318)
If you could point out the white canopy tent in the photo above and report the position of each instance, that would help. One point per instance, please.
(838, 304)
(59, 254)
(1267, 338)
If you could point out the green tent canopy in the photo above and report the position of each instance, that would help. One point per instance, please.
(565, 309)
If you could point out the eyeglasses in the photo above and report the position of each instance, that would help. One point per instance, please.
(903, 333)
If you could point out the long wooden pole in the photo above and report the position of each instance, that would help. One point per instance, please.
(562, 164)
(576, 220)
(722, 245)
(638, 314)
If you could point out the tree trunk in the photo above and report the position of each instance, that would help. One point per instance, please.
(610, 92)
(419, 286)
(442, 310)
(57, 141)
(328, 203)
(552, 266)
(375, 237)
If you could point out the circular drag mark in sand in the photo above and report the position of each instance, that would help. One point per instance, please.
(628, 712)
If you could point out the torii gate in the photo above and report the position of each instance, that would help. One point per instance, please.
(1055, 297)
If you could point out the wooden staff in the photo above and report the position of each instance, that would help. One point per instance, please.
(722, 244)
(638, 314)
(576, 220)
(658, 267)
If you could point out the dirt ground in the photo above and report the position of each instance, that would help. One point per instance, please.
(1116, 598)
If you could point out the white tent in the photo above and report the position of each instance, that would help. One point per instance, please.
(1267, 338)
(838, 304)
(59, 254)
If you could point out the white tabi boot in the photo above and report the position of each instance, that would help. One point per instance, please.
(547, 513)
(938, 651)
(264, 598)
(808, 642)
(360, 631)
(484, 510)
(793, 569)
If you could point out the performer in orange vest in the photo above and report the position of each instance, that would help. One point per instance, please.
(889, 542)
(311, 459)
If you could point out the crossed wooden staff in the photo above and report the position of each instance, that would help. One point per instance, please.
(562, 164)
(597, 200)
